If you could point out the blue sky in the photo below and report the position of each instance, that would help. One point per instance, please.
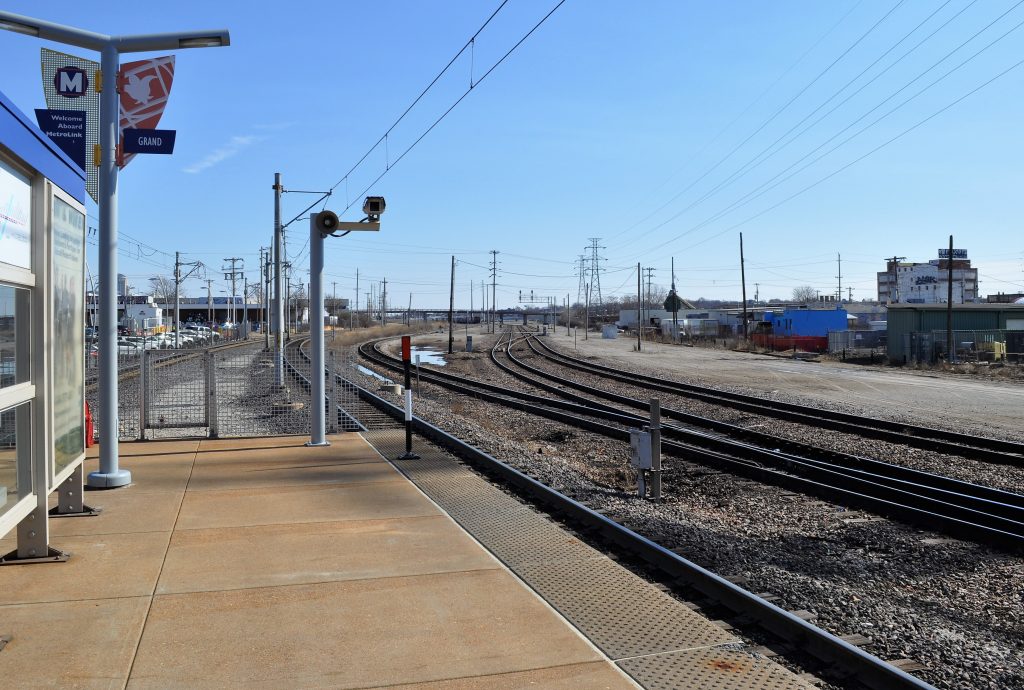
(664, 128)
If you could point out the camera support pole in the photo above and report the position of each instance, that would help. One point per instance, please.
(320, 226)
(317, 396)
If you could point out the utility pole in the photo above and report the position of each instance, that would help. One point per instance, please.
(647, 302)
(839, 292)
(471, 309)
(894, 284)
(233, 275)
(757, 293)
(177, 300)
(743, 282)
(451, 311)
(384, 304)
(494, 287)
(951, 355)
(675, 304)
(357, 291)
(263, 295)
(408, 312)
(245, 300)
(639, 310)
(209, 301)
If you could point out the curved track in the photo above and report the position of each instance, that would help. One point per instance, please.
(931, 501)
(866, 668)
(966, 445)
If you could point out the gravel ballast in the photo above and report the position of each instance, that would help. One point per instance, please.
(955, 607)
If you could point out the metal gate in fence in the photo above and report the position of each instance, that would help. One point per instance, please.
(175, 392)
(229, 391)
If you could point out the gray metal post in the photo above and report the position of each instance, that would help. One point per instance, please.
(143, 391)
(109, 474)
(278, 296)
(655, 449)
(177, 300)
(212, 420)
(316, 335)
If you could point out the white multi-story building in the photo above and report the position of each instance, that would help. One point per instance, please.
(928, 283)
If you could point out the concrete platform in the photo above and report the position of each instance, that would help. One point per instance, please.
(264, 563)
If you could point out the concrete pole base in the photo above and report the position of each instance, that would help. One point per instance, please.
(109, 480)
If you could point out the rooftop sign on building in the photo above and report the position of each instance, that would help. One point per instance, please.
(957, 253)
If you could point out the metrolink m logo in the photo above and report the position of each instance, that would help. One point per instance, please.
(71, 82)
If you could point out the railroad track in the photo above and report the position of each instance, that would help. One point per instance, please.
(939, 440)
(132, 370)
(834, 651)
(942, 504)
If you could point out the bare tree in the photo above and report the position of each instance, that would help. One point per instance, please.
(805, 294)
(161, 289)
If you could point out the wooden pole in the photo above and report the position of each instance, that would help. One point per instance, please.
(950, 353)
(639, 310)
(743, 282)
(451, 312)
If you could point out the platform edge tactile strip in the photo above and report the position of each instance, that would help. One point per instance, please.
(631, 612)
(654, 638)
(713, 668)
(622, 614)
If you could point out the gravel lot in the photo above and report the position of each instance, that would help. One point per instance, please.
(957, 608)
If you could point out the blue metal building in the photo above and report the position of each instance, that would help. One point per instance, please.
(807, 322)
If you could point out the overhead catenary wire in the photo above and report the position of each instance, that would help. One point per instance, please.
(767, 152)
(771, 118)
(775, 181)
(455, 104)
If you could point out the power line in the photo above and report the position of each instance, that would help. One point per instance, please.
(384, 137)
(449, 110)
(754, 162)
(774, 182)
(788, 103)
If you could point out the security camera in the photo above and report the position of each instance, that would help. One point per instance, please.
(373, 207)
(326, 222)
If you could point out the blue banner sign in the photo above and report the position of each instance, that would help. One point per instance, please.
(66, 128)
(149, 140)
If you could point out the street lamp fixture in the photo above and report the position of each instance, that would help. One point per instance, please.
(110, 49)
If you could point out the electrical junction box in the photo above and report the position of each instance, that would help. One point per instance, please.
(640, 445)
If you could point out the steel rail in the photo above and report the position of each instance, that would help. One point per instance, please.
(966, 445)
(967, 494)
(747, 460)
(861, 665)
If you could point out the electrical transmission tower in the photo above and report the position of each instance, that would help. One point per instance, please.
(581, 292)
(595, 272)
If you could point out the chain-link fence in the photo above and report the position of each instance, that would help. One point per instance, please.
(855, 343)
(968, 346)
(227, 390)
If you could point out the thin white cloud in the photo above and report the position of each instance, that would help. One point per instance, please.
(274, 127)
(235, 145)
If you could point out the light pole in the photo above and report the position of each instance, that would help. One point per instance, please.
(322, 225)
(110, 48)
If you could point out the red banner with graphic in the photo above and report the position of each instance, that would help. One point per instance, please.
(144, 87)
